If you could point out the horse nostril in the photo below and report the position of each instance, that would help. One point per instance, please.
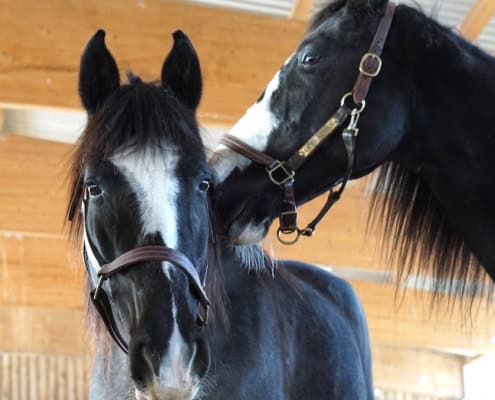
(141, 365)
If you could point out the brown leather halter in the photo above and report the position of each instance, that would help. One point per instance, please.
(129, 259)
(282, 173)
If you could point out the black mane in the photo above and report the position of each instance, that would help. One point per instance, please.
(417, 238)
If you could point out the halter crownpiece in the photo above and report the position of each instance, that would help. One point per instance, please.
(282, 173)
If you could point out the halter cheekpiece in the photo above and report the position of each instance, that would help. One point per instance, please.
(282, 173)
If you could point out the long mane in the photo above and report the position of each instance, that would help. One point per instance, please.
(418, 240)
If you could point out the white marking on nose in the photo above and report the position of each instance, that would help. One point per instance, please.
(175, 373)
(153, 176)
(254, 128)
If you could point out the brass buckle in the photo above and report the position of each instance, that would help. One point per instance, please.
(370, 56)
(279, 165)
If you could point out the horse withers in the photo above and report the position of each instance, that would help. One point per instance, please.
(192, 317)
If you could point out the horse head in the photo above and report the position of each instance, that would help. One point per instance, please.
(141, 179)
(301, 97)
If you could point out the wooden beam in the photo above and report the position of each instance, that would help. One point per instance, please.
(477, 18)
(40, 52)
(301, 10)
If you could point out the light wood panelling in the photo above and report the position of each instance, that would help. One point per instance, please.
(417, 371)
(32, 186)
(43, 377)
(478, 17)
(301, 10)
(40, 52)
(39, 271)
(42, 330)
(410, 321)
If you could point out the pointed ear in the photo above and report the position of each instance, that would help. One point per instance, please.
(181, 71)
(98, 73)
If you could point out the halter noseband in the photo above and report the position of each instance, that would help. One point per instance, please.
(282, 173)
(129, 259)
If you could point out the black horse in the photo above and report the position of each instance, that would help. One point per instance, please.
(428, 122)
(143, 186)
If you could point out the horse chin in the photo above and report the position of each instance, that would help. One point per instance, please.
(252, 233)
(186, 392)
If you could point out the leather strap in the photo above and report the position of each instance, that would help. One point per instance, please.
(246, 150)
(371, 62)
(156, 253)
(337, 119)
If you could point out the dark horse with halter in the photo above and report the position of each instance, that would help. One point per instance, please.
(141, 196)
(428, 121)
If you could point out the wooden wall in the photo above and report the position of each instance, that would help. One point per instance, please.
(40, 279)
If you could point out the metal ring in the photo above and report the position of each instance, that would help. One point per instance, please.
(280, 238)
(359, 107)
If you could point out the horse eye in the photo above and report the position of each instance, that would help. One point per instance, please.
(310, 60)
(94, 190)
(204, 185)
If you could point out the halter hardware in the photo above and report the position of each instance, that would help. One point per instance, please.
(279, 168)
(369, 67)
(366, 60)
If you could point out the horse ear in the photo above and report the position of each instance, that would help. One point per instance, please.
(98, 73)
(181, 71)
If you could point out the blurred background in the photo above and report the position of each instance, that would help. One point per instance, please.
(419, 353)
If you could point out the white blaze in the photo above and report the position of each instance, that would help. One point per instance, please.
(152, 176)
(254, 128)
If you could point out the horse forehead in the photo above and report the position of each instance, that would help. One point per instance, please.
(152, 175)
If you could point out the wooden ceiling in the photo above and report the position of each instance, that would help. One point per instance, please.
(39, 56)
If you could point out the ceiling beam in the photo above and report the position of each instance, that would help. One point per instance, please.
(40, 52)
(477, 18)
(301, 10)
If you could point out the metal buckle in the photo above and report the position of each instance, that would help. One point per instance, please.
(370, 56)
(279, 165)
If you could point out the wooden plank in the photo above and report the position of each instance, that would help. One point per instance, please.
(40, 52)
(42, 330)
(477, 18)
(38, 271)
(32, 185)
(24, 377)
(417, 371)
(409, 320)
(301, 10)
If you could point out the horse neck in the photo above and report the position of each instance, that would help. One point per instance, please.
(453, 136)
